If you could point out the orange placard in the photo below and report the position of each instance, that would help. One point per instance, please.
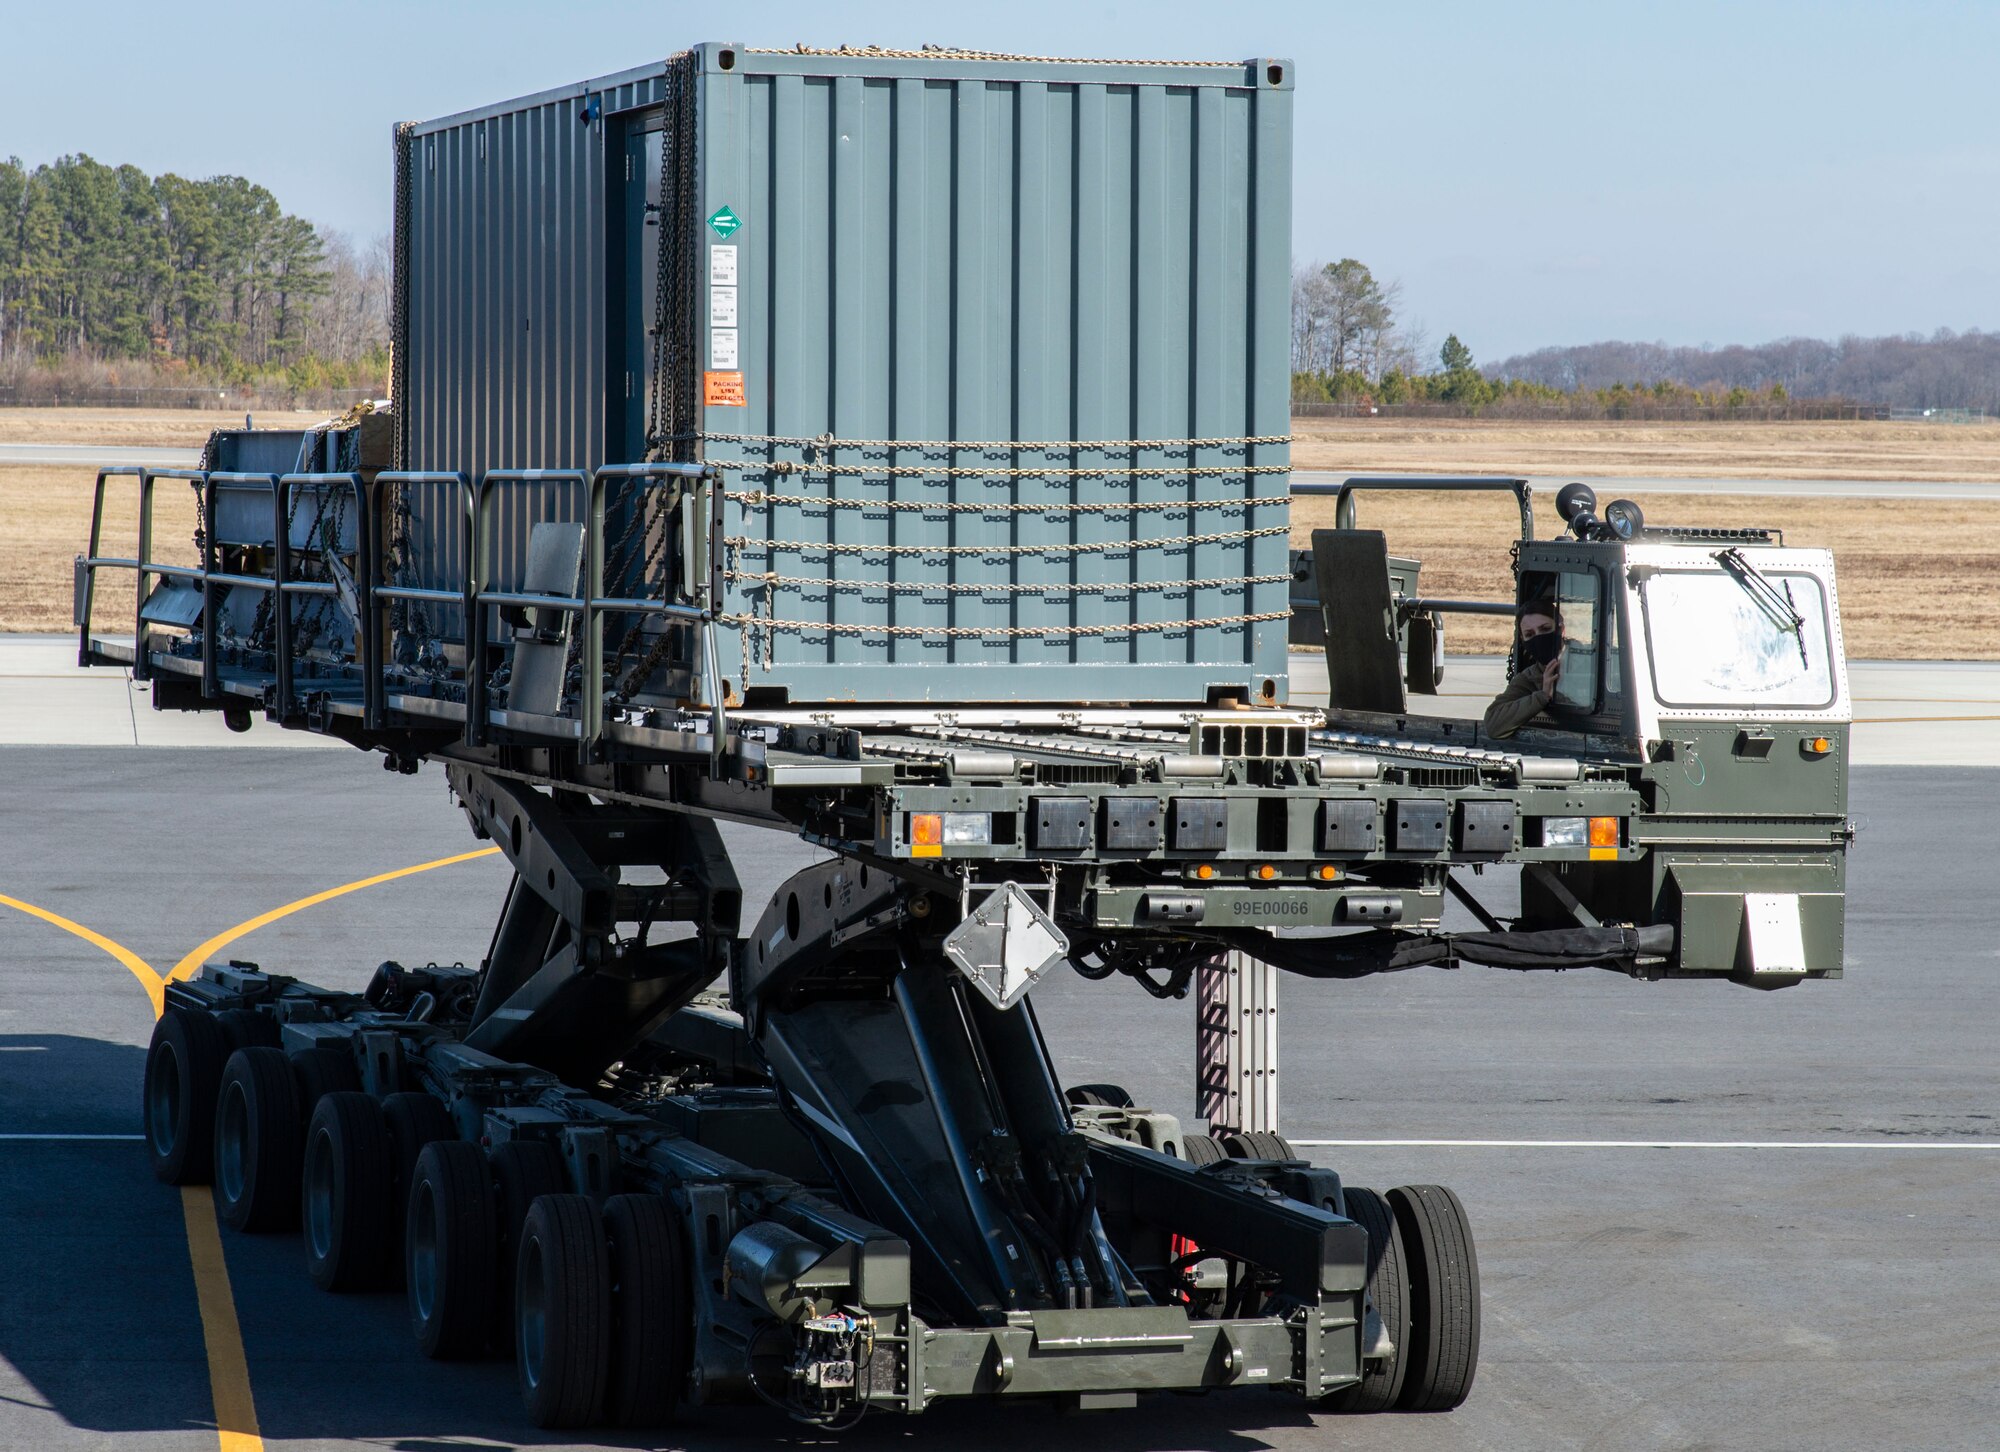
(722, 390)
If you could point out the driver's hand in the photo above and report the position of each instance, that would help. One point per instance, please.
(1551, 673)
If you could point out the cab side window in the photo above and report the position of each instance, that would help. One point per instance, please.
(1581, 599)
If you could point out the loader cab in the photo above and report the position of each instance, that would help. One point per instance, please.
(1670, 628)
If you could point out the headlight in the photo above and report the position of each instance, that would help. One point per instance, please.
(1565, 831)
(968, 829)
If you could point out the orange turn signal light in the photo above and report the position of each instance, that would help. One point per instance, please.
(926, 834)
(1604, 831)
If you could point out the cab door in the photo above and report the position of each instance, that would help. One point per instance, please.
(1586, 581)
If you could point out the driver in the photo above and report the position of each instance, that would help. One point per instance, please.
(1538, 650)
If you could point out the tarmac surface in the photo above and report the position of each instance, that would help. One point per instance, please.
(1834, 1293)
(1610, 486)
(95, 456)
(1832, 1296)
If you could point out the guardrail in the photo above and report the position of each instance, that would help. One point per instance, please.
(693, 600)
(1345, 490)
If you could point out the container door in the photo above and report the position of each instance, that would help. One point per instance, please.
(632, 278)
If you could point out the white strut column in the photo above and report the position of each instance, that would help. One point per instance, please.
(1236, 1043)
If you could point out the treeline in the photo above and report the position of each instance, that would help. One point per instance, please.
(1353, 352)
(1944, 370)
(210, 280)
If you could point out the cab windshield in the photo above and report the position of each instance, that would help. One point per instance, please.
(1718, 639)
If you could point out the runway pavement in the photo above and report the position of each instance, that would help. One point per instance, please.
(1830, 1297)
(95, 456)
(1613, 485)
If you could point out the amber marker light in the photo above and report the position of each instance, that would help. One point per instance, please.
(1816, 746)
(1603, 838)
(1205, 871)
(1327, 872)
(1267, 872)
(926, 834)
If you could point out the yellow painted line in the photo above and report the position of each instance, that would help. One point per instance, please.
(191, 963)
(222, 1335)
(228, 1368)
(140, 968)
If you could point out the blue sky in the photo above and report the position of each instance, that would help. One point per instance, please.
(1532, 174)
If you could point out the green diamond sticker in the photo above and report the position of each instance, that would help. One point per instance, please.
(724, 221)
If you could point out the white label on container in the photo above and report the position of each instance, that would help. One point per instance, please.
(721, 307)
(722, 265)
(722, 348)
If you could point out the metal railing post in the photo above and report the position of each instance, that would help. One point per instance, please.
(597, 603)
(214, 578)
(140, 668)
(151, 569)
(375, 690)
(483, 597)
(287, 587)
(93, 559)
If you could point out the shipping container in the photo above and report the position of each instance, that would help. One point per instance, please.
(991, 353)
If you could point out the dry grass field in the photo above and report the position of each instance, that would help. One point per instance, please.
(1917, 577)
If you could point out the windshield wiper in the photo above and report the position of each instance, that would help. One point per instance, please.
(1777, 606)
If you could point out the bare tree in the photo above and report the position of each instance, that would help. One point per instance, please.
(351, 320)
(1341, 318)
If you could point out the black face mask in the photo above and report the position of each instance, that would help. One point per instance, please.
(1539, 650)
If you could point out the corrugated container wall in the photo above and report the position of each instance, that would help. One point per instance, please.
(993, 353)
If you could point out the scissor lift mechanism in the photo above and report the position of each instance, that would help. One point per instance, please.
(853, 1180)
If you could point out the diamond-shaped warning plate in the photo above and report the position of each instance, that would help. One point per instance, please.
(1005, 945)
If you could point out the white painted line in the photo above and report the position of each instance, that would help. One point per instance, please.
(1670, 1144)
(66, 1138)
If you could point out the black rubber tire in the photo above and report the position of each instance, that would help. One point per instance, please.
(562, 1312)
(259, 1142)
(1389, 1290)
(1203, 1149)
(652, 1311)
(1257, 1144)
(177, 1105)
(523, 1171)
(449, 1266)
(347, 1193)
(322, 1071)
(414, 1119)
(1444, 1297)
(1112, 1096)
(245, 1028)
